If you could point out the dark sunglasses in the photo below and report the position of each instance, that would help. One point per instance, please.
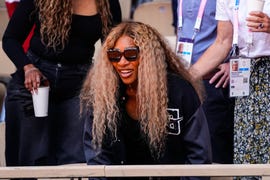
(130, 53)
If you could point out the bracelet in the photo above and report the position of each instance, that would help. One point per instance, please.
(29, 70)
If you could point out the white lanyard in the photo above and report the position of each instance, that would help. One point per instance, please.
(198, 22)
(235, 22)
(249, 38)
(239, 67)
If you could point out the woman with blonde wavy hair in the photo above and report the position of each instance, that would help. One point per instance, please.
(59, 55)
(140, 105)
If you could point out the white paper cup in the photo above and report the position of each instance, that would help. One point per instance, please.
(255, 5)
(40, 101)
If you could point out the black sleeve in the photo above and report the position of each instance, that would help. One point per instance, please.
(115, 11)
(194, 130)
(92, 155)
(174, 10)
(197, 141)
(17, 31)
(196, 135)
(197, 138)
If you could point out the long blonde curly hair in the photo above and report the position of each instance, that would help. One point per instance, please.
(101, 87)
(56, 16)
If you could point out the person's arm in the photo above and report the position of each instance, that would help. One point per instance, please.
(256, 22)
(174, 11)
(92, 156)
(194, 130)
(216, 53)
(17, 31)
(116, 11)
(197, 141)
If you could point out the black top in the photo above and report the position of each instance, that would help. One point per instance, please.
(137, 149)
(85, 32)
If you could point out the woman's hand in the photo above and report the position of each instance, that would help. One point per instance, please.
(258, 22)
(32, 77)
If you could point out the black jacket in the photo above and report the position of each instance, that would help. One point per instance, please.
(188, 141)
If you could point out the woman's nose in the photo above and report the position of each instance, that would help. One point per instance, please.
(123, 61)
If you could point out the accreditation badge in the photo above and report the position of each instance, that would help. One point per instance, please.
(184, 50)
(239, 76)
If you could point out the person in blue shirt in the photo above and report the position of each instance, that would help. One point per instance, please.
(218, 106)
(2, 104)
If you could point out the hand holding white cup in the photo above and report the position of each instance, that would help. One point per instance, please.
(255, 5)
(40, 101)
